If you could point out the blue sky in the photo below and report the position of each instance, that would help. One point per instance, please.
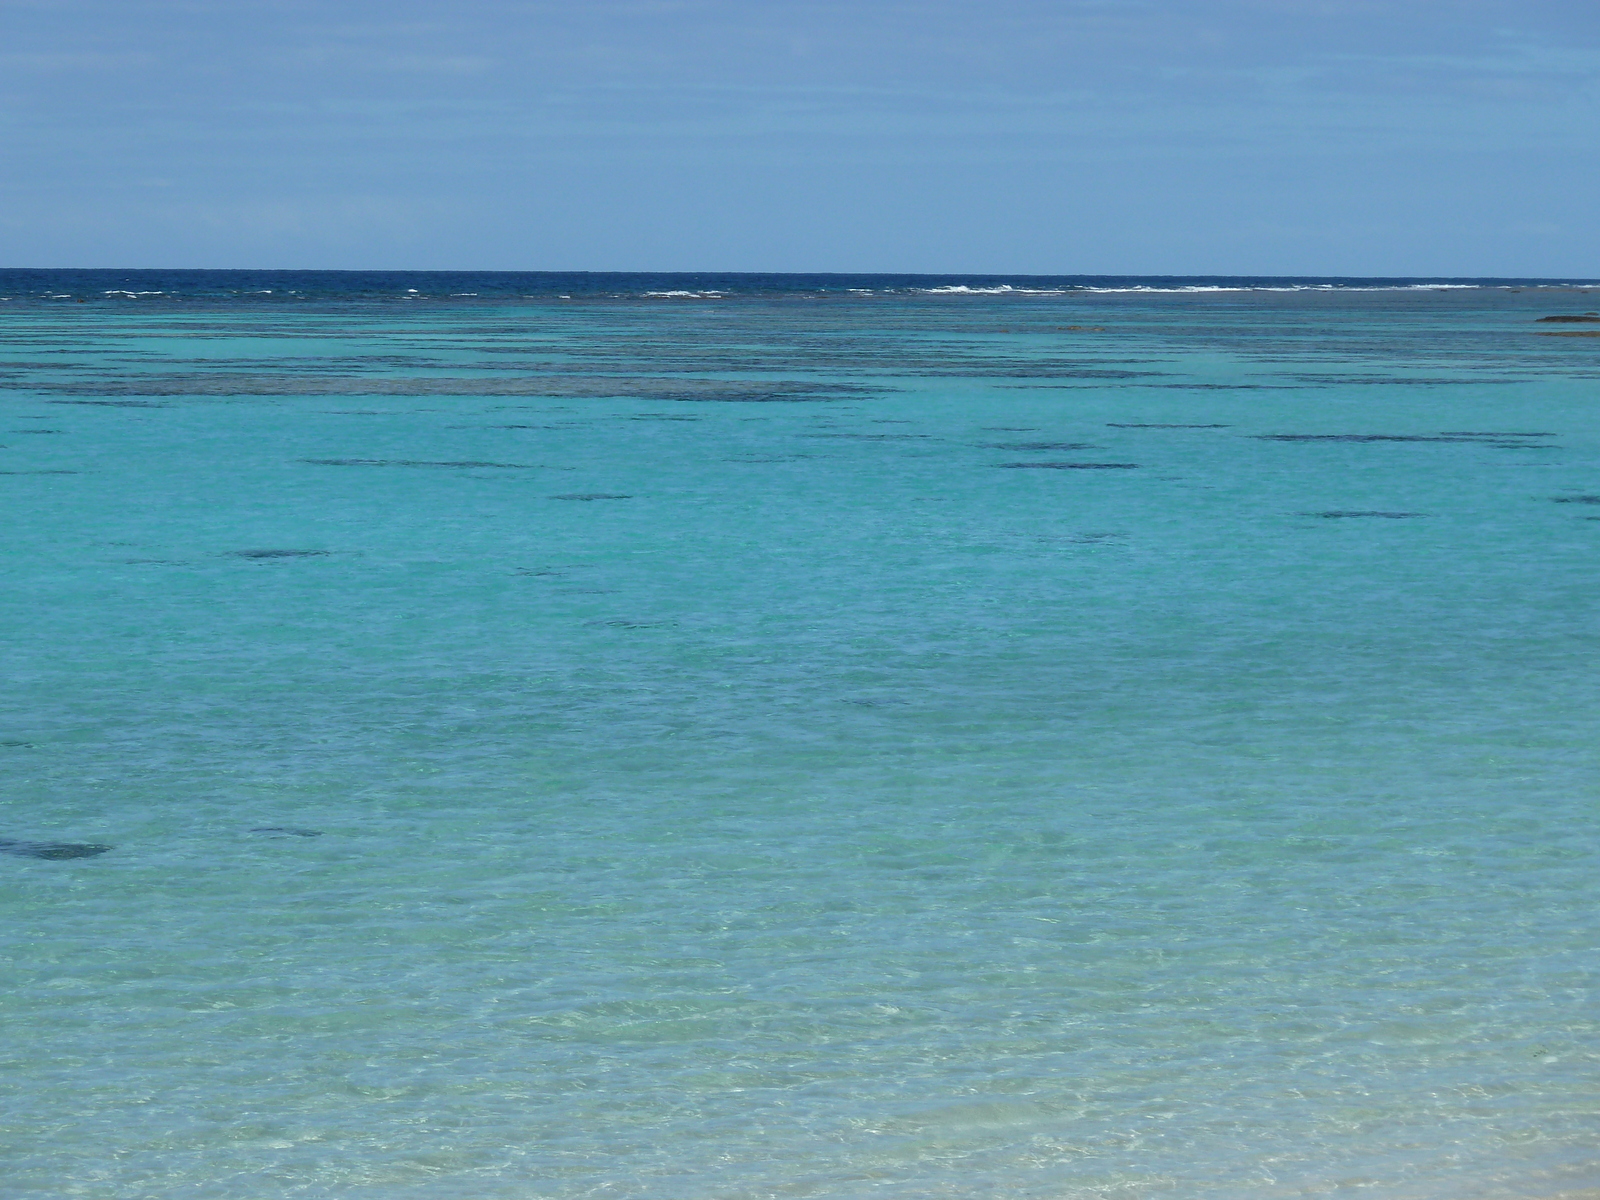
(1073, 136)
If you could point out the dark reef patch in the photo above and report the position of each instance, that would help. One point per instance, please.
(1337, 513)
(1576, 499)
(590, 496)
(871, 437)
(412, 462)
(1047, 373)
(1068, 466)
(41, 472)
(51, 849)
(1361, 437)
(1123, 425)
(755, 397)
(1074, 539)
(270, 554)
(1573, 318)
(1039, 446)
(1396, 380)
(287, 831)
(110, 403)
(553, 386)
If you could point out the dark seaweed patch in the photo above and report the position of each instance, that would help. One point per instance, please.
(41, 472)
(1126, 425)
(590, 496)
(1075, 539)
(38, 431)
(111, 403)
(1026, 373)
(1335, 514)
(625, 624)
(1039, 446)
(1358, 437)
(410, 462)
(1573, 318)
(552, 386)
(1068, 466)
(1402, 380)
(761, 397)
(51, 849)
(287, 831)
(269, 554)
(1577, 499)
(1478, 433)
(871, 437)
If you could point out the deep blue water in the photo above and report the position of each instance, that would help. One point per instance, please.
(267, 287)
(835, 737)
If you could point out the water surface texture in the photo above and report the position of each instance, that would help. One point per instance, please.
(718, 738)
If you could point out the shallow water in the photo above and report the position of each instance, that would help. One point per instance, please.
(797, 742)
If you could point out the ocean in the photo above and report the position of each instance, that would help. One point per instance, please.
(490, 736)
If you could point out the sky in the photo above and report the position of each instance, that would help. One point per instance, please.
(1271, 137)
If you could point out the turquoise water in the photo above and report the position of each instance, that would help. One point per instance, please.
(656, 746)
